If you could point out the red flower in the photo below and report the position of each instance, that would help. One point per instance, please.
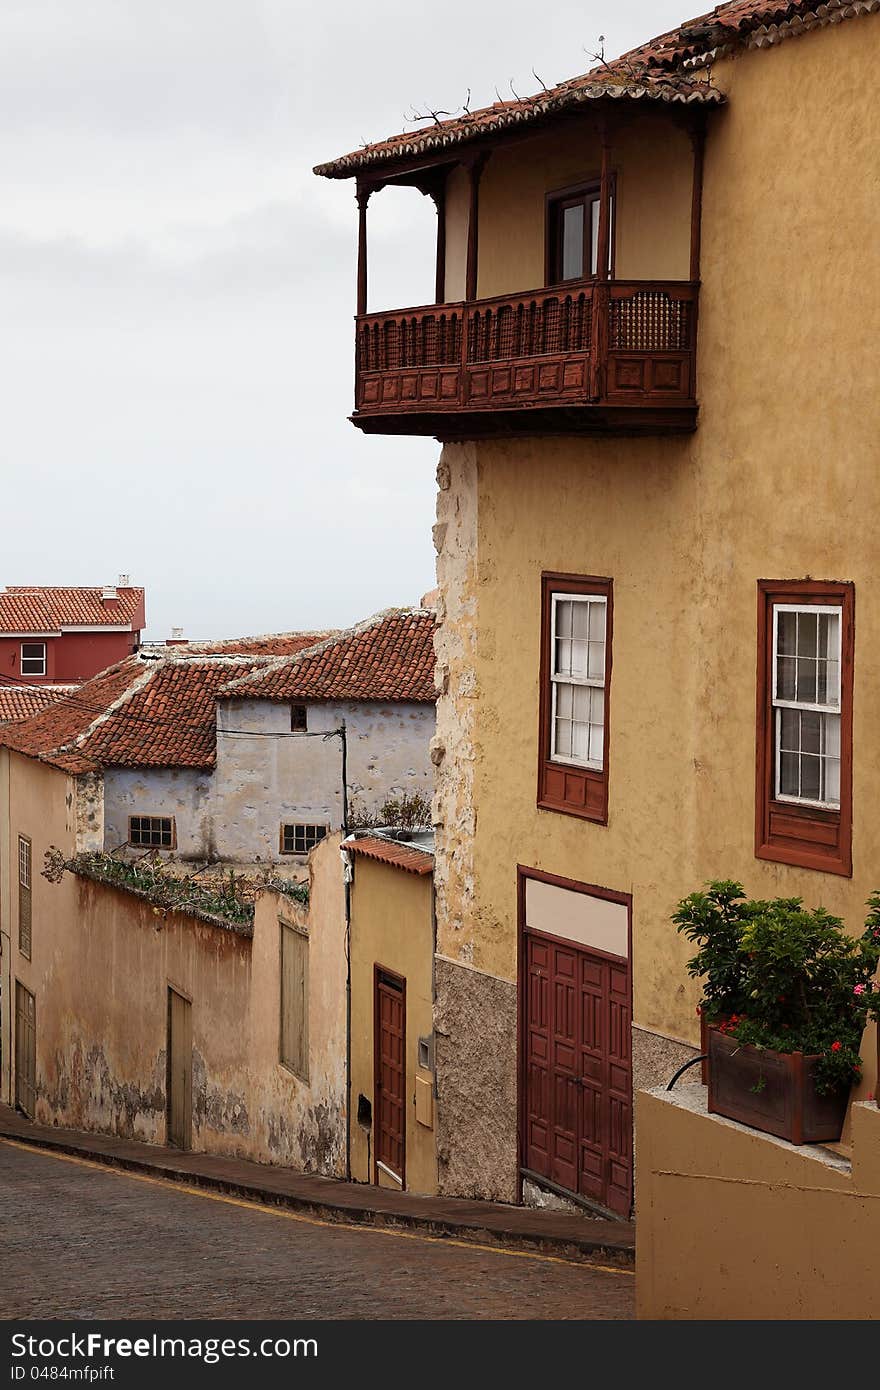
(836, 1046)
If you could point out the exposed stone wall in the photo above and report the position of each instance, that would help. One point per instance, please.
(89, 797)
(475, 1060)
(453, 747)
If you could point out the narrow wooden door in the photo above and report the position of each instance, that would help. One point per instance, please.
(25, 1050)
(577, 1109)
(390, 1072)
(179, 1090)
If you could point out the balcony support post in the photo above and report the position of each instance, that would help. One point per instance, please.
(603, 248)
(439, 195)
(475, 170)
(698, 142)
(363, 197)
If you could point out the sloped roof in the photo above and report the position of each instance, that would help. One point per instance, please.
(271, 644)
(395, 852)
(59, 726)
(389, 657)
(665, 69)
(21, 701)
(146, 711)
(33, 609)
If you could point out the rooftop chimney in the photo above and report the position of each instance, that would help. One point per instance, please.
(124, 581)
(109, 593)
(177, 638)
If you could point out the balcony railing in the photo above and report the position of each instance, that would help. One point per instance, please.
(600, 355)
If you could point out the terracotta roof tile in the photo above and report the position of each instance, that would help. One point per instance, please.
(396, 852)
(21, 701)
(24, 609)
(663, 69)
(272, 644)
(63, 722)
(389, 657)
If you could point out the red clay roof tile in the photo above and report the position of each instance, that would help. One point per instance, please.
(396, 852)
(19, 702)
(389, 657)
(33, 609)
(662, 69)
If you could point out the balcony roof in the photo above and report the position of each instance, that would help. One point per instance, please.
(603, 85)
(665, 70)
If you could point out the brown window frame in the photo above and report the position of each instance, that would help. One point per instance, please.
(555, 201)
(806, 837)
(563, 787)
(140, 844)
(25, 896)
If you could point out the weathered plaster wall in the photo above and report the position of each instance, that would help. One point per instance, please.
(779, 480)
(5, 939)
(181, 792)
(236, 811)
(734, 1224)
(102, 963)
(392, 926)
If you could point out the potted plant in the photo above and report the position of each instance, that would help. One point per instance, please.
(786, 996)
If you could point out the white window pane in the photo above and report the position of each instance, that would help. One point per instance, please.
(831, 734)
(789, 781)
(573, 242)
(789, 732)
(829, 683)
(832, 781)
(811, 731)
(581, 702)
(562, 738)
(597, 660)
(597, 706)
(597, 622)
(581, 619)
(811, 777)
(597, 740)
(563, 701)
(578, 658)
(786, 633)
(807, 634)
(580, 742)
(806, 680)
(785, 678)
(563, 657)
(563, 617)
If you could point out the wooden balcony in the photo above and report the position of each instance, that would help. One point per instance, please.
(607, 356)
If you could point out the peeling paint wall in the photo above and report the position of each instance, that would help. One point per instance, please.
(102, 964)
(235, 813)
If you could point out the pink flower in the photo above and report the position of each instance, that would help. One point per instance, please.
(859, 989)
(835, 1047)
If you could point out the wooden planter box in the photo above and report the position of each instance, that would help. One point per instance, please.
(785, 1102)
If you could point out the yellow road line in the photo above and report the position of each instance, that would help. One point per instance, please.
(287, 1215)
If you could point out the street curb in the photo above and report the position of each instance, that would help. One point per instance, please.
(582, 1250)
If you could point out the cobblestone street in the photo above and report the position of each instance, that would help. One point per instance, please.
(80, 1241)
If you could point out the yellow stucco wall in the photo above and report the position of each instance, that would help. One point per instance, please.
(391, 926)
(651, 160)
(779, 480)
(736, 1225)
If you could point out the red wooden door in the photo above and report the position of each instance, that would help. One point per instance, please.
(577, 1109)
(390, 1072)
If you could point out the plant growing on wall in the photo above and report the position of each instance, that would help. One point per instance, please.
(230, 899)
(779, 976)
(410, 811)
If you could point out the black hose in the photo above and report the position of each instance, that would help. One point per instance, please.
(692, 1063)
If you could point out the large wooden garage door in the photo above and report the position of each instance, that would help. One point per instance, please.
(577, 1108)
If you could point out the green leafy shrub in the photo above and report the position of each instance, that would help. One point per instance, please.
(780, 976)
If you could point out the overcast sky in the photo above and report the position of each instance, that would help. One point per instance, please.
(178, 288)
